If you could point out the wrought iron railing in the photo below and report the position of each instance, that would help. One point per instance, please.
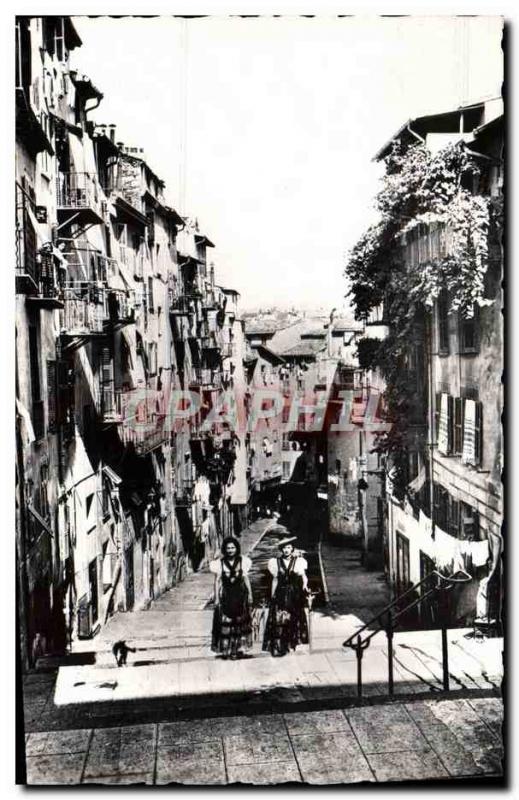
(77, 190)
(84, 262)
(433, 587)
(85, 308)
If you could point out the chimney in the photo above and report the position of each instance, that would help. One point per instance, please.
(112, 132)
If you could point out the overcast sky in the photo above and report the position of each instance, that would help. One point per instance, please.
(264, 129)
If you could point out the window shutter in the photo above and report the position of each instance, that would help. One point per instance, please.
(437, 413)
(478, 433)
(436, 504)
(52, 396)
(65, 392)
(450, 424)
(150, 295)
(107, 366)
(458, 425)
(454, 512)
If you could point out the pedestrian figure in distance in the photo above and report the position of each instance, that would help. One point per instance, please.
(232, 623)
(120, 651)
(287, 625)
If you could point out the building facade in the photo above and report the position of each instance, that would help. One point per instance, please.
(126, 478)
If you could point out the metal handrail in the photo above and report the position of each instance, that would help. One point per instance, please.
(359, 644)
(452, 579)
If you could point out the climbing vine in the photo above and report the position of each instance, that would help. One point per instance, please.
(428, 201)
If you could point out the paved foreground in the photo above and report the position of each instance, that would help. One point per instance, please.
(419, 740)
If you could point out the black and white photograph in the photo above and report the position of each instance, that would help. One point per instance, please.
(258, 364)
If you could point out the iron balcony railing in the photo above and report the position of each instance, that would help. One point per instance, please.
(140, 426)
(85, 308)
(84, 262)
(205, 377)
(77, 190)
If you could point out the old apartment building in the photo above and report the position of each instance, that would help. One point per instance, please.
(118, 317)
(450, 515)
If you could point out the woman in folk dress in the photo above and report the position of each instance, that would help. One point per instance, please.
(232, 624)
(287, 625)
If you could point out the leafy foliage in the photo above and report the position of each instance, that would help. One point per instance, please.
(433, 234)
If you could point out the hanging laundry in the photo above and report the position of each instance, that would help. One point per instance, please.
(480, 552)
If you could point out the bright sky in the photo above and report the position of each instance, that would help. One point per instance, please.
(264, 129)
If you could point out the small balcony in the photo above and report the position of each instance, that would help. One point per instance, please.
(84, 262)
(145, 441)
(206, 378)
(78, 199)
(121, 307)
(85, 310)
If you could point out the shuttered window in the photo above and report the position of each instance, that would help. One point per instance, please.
(458, 426)
(469, 333)
(52, 412)
(151, 305)
(469, 522)
(443, 323)
(454, 518)
(441, 507)
(478, 434)
(107, 381)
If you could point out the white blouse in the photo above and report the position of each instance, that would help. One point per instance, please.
(217, 565)
(300, 566)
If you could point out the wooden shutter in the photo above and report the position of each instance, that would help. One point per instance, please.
(458, 425)
(107, 380)
(454, 514)
(450, 423)
(52, 411)
(478, 433)
(34, 360)
(436, 504)
(437, 409)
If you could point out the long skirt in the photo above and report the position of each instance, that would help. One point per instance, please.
(232, 624)
(287, 625)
